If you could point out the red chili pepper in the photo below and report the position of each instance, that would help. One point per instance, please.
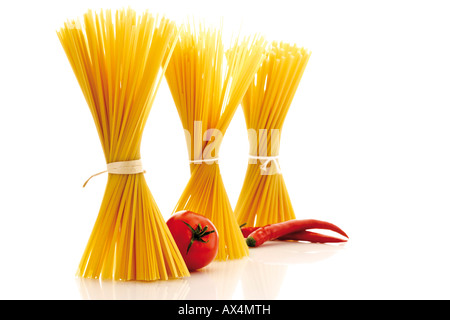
(299, 236)
(247, 230)
(277, 230)
(311, 237)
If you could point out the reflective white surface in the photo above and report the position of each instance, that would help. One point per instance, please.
(260, 276)
(380, 269)
(383, 264)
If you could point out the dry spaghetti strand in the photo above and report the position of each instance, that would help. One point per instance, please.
(207, 85)
(117, 61)
(264, 198)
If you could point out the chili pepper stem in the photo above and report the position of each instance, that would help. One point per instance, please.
(250, 241)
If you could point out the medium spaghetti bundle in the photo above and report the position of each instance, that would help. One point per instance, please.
(207, 85)
(264, 198)
(117, 62)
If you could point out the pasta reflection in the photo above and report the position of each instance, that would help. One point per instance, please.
(261, 276)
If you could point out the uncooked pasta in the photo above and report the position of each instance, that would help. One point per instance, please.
(117, 61)
(264, 198)
(207, 84)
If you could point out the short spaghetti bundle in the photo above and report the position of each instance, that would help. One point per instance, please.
(117, 62)
(264, 198)
(207, 84)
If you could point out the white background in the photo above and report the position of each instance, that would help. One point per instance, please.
(365, 145)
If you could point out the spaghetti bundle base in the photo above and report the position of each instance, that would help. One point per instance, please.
(117, 61)
(264, 198)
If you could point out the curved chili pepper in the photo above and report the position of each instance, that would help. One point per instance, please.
(299, 236)
(277, 230)
(248, 230)
(311, 237)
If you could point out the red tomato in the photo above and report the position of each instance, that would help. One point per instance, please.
(196, 238)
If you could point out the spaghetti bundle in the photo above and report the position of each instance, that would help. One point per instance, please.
(117, 62)
(264, 198)
(207, 85)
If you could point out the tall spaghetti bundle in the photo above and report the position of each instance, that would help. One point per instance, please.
(207, 85)
(117, 62)
(264, 198)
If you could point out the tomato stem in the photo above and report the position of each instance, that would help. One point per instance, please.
(197, 234)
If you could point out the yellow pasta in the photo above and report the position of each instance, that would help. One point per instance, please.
(207, 85)
(264, 198)
(117, 61)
